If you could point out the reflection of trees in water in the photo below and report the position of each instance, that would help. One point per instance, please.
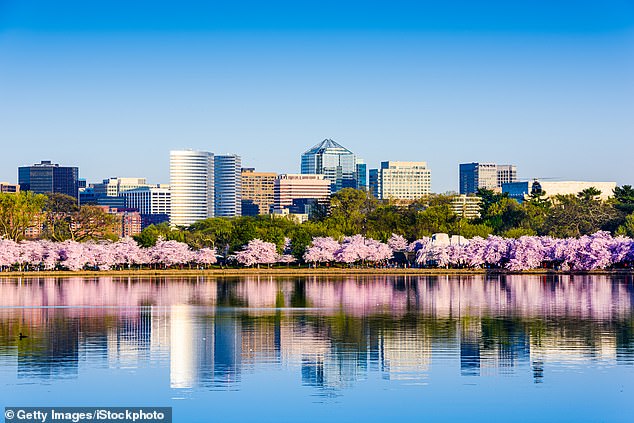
(335, 331)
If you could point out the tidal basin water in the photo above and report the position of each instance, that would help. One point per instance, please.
(317, 349)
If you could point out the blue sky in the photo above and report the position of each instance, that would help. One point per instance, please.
(112, 86)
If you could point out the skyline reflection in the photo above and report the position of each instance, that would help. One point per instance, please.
(209, 332)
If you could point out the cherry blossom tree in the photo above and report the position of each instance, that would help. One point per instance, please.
(397, 243)
(321, 249)
(257, 252)
(206, 256)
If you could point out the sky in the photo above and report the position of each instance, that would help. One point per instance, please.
(113, 86)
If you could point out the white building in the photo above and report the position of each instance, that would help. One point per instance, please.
(401, 180)
(228, 185)
(466, 206)
(113, 187)
(521, 190)
(191, 186)
(149, 200)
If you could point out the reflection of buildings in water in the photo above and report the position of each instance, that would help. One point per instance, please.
(261, 339)
(567, 350)
(470, 346)
(52, 350)
(204, 350)
(183, 351)
(129, 341)
(360, 324)
(406, 354)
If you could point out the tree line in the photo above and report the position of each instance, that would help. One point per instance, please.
(351, 212)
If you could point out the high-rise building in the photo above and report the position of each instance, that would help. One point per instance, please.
(335, 162)
(406, 181)
(474, 176)
(361, 175)
(191, 186)
(227, 185)
(289, 187)
(258, 194)
(45, 177)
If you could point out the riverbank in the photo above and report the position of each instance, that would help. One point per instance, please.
(320, 271)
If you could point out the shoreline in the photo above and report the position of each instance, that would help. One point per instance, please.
(304, 272)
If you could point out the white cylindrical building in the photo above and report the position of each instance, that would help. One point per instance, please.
(191, 186)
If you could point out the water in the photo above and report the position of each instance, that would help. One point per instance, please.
(315, 349)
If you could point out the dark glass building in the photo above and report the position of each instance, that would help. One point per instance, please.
(45, 177)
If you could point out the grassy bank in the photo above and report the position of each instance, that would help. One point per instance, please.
(320, 271)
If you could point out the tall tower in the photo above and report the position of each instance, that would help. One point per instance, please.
(335, 162)
(192, 186)
(228, 185)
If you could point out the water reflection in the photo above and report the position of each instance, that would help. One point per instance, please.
(332, 333)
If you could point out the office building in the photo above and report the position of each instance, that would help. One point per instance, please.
(466, 206)
(45, 177)
(258, 194)
(474, 176)
(406, 181)
(227, 185)
(191, 186)
(289, 187)
(113, 187)
(548, 189)
(6, 187)
(335, 162)
(361, 175)
(153, 203)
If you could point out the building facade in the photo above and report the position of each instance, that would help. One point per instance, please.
(112, 187)
(406, 181)
(6, 187)
(45, 177)
(153, 203)
(466, 206)
(289, 187)
(191, 186)
(474, 176)
(548, 189)
(335, 162)
(227, 185)
(258, 192)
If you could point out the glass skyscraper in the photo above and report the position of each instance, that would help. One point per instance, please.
(336, 163)
(228, 185)
(45, 177)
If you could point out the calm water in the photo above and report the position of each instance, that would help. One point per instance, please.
(514, 348)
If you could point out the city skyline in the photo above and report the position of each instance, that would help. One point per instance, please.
(548, 87)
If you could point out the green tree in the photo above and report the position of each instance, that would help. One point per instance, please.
(499, 212)
(577, 215)
(94, 223)
(60, 211)
(627, 228)
(20, 211)
(349, 210)
(624, 197)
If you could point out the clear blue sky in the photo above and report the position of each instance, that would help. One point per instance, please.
(111, 86)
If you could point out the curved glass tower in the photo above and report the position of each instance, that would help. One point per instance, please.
(191, 186)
